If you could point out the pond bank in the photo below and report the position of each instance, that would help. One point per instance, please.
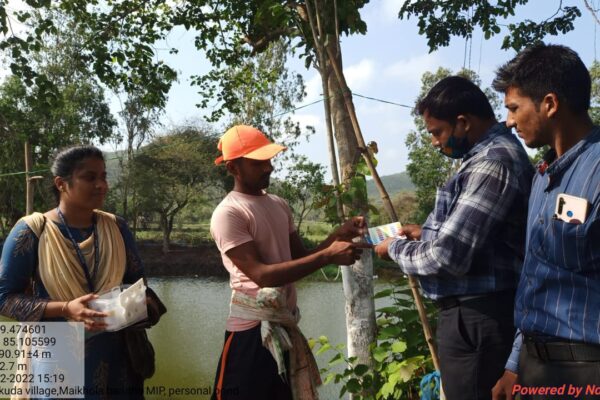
(204, 260)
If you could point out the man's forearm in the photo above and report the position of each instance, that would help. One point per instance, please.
(280, 274)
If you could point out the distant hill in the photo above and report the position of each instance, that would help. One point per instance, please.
(393, 184)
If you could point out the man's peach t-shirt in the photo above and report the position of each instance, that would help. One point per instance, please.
(266, 220)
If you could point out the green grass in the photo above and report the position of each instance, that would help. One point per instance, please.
(315, 231)
(189, 234)
(193, 233)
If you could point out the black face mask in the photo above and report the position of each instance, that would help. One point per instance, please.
(458, 146)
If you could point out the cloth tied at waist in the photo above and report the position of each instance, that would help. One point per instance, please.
(279, 331)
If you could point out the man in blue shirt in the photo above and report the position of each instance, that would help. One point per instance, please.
(468, 254)
(547, 94)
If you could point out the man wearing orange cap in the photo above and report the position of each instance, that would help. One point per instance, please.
(265, 355)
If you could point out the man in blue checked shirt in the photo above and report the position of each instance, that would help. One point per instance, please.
(469, 252)
(557, 307)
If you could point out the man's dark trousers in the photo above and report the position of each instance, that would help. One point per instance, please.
(474, 338)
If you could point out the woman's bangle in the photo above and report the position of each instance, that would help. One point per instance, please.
(64, 308)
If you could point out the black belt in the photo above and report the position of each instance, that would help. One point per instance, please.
(447, 302)
(561, 350)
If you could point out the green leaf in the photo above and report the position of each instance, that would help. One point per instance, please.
(330, 377)
(363, 168)
(394, 378)
(361, 369)
(353, 385)
(324, 348)
(399, 347)
(390, 331)
(388, 310)
(383, 293)
(338, 358)
(392, 367)
(380, 354)
(387, 389)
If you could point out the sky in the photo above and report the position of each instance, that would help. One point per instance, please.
(387, 63)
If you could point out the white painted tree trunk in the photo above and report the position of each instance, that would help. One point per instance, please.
(360, 308)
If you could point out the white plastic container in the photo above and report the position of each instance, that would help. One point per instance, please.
(124, 308)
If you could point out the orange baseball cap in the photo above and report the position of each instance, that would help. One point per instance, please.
(246, 141)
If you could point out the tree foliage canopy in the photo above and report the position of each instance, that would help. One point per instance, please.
(77, 112)
(438, 20)
(116, 42)
(301, 187)
(172, 170)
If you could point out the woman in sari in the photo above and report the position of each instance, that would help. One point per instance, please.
(54, 263)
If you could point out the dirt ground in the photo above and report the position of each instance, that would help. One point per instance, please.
(205, 260)
(199, 260)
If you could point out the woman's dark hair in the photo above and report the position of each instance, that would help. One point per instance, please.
(454, 96)
(69, 160)
(542, 69)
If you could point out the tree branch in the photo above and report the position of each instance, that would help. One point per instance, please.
(592, 11)
(258, 45)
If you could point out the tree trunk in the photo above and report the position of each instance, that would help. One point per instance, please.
(358, 278)
(28, 181)
(164, 223)
(125, 189)
(127, 174)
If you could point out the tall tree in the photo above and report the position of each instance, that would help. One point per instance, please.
(169, 172)
(301, 187)
(139, 121)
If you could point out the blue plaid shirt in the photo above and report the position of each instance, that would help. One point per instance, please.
(473, 241)
(559, 290)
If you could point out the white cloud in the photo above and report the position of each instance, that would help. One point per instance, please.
(313, 120)
(411, 69)
(390, 8)
(314, 88)
(358, 76)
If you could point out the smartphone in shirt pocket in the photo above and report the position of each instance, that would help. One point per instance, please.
(571, 209)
